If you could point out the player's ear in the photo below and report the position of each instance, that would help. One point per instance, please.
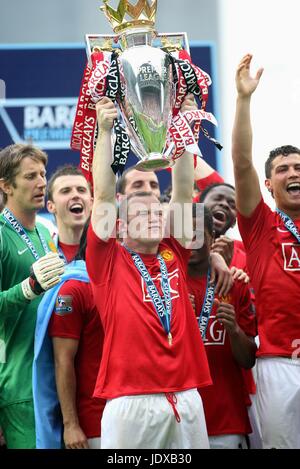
(5, 186)
(121, 228)
(268, 185)
(51, 207)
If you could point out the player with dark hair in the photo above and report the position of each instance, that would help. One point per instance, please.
(70, 201)
(134, 180)
(77, 337)
(227, 325)
(272, 243)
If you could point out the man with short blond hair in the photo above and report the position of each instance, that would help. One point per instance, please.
(27, 269)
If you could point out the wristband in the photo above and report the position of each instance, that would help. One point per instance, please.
(34, 284)
(27, 290)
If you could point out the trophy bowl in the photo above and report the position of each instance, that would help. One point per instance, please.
(148, 100)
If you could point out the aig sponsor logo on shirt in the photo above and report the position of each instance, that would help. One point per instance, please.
(215, 332)
(173, 280)
(291, 256)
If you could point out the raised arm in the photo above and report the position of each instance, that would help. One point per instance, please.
(182, 190)
(248, 193)
(104, 206)
(203, 172)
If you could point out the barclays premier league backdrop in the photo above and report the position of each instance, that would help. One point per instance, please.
(40, 86)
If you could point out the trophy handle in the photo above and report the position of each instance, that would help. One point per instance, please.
(168, 42)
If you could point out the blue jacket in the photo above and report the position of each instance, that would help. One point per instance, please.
(48, 419)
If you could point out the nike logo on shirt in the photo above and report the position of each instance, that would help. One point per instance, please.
(22, 252)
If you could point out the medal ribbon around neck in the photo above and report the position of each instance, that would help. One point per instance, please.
(164, 312)
(289, 224)
(19, 229)
(59, 250)
(207, 305)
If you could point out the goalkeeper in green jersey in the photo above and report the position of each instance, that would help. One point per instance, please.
(28, 267)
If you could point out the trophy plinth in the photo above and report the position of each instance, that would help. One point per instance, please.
(154, 162)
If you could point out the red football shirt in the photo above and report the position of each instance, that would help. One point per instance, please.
(80, 320)
(273, 260)
(239, 260)
(69, 250)
(239, 244)
(239, 257)
(224, 402)
(137, 358)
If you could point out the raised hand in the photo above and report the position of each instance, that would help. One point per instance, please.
(224, 246)
(245, 83)
(106, 113)
(189, 103)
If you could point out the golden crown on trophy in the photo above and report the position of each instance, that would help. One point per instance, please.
(130, 16)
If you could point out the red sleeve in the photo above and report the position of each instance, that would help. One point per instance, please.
(255, 227)
(239, 258)
(100, 257)
(245, 311)
(208, 180)
(239, 244)
(67, 317)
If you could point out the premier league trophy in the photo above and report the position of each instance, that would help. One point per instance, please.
(148, 75)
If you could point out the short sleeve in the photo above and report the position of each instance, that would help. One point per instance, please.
(254, 228)
(213, 178)
(100, 257)
(246, 317)
(68, 314)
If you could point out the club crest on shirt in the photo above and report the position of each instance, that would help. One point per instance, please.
(63, 305)
(225, 299)
(291, 256)
(167, 255)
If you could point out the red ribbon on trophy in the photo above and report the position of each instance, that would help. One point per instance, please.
(105, 75)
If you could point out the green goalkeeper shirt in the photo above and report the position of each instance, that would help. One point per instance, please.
(17, 315)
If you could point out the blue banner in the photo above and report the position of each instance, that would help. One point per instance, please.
(41, 85)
